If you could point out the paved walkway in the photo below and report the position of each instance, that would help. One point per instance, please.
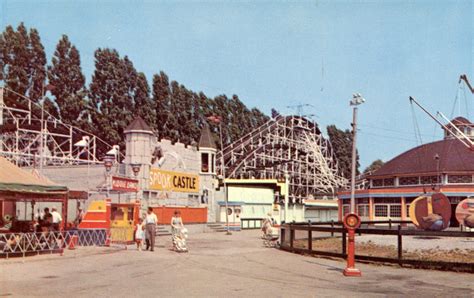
(217, 265)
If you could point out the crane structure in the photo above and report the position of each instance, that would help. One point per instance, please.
(465, 137)
(463, 77)
(285, 146)
(29, 136)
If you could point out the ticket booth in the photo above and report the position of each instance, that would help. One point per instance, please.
(120, 218)
(123, 218)
(234, 210)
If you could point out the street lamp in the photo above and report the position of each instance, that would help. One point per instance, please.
(108, 163)
(136, 169)
(352, 220)
(218, 120)
(357, 99)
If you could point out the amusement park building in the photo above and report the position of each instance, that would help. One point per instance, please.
(446, 166)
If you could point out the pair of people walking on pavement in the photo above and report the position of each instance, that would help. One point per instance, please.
(146, 230)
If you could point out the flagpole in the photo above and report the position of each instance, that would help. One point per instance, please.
(223, 179)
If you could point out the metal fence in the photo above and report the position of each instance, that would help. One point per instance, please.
(294, 234)
(25, 244)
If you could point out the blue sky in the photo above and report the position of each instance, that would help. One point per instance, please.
(282, 53)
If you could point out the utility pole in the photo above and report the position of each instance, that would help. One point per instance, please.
(357, 99)
(1, 105)
(218, 120)
(41, 132)
(287, 194)
(223, 180)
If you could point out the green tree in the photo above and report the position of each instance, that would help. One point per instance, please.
(341, 141)
(144, 105)
(112, 93)
(374, 166)
(161, 94)
(22, 64)
(37, 67)
(66, 76)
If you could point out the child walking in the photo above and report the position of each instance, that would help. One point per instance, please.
(139, 234)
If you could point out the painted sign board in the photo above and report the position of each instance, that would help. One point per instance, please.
(173, 181)
(465, 212)
(124, 184)
(431, 212)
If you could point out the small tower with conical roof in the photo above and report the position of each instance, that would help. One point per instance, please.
(138, 149)
(207, 150)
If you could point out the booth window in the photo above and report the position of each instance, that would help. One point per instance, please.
(205, 162)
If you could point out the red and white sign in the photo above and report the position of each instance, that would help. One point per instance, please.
(124, 184)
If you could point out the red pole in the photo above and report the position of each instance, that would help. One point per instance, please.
(351, 222)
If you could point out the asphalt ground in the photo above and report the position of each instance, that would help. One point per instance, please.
(217, 265)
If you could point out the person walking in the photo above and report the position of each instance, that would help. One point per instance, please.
(150, 228)
(57, 219)
(178, 232)
(139, 234)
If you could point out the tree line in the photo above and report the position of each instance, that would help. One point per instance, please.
(118, 92)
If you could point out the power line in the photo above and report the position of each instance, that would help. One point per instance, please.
(393, 130)
(387, 137)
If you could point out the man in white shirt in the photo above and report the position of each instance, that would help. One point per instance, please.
(56, 219)
(150, 228)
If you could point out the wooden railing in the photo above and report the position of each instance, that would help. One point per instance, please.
(393, 228)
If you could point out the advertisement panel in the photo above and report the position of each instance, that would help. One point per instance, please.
(173, 181)
(124, 184)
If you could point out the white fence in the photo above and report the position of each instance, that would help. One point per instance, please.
(22, 244)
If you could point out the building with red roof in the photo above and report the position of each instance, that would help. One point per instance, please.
(446, 166)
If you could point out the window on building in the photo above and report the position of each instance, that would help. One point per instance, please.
(363, 210)
(346, 209)
(459, 179)
(381, 210)
(395, 211)
(428, 179)
(212, 163)
(409, 180)
(389, 181)
(205, 162)
(455, 200)
(389, 200)
(377, 182)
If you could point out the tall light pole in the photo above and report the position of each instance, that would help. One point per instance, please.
(223, 180)
(108, 163)
(136, 170)
(357, 99)
(287, 194)
(218, 120)
(352, 220)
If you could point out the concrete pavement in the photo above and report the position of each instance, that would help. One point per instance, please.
(217, 265)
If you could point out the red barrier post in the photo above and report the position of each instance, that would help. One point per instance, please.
(351, 222)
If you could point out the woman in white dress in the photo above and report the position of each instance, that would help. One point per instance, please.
(178, 233)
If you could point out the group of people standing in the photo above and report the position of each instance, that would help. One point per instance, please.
(146, 231)
(49, 221)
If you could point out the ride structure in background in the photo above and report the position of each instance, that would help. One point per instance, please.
(285, 146)
(30, 136)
